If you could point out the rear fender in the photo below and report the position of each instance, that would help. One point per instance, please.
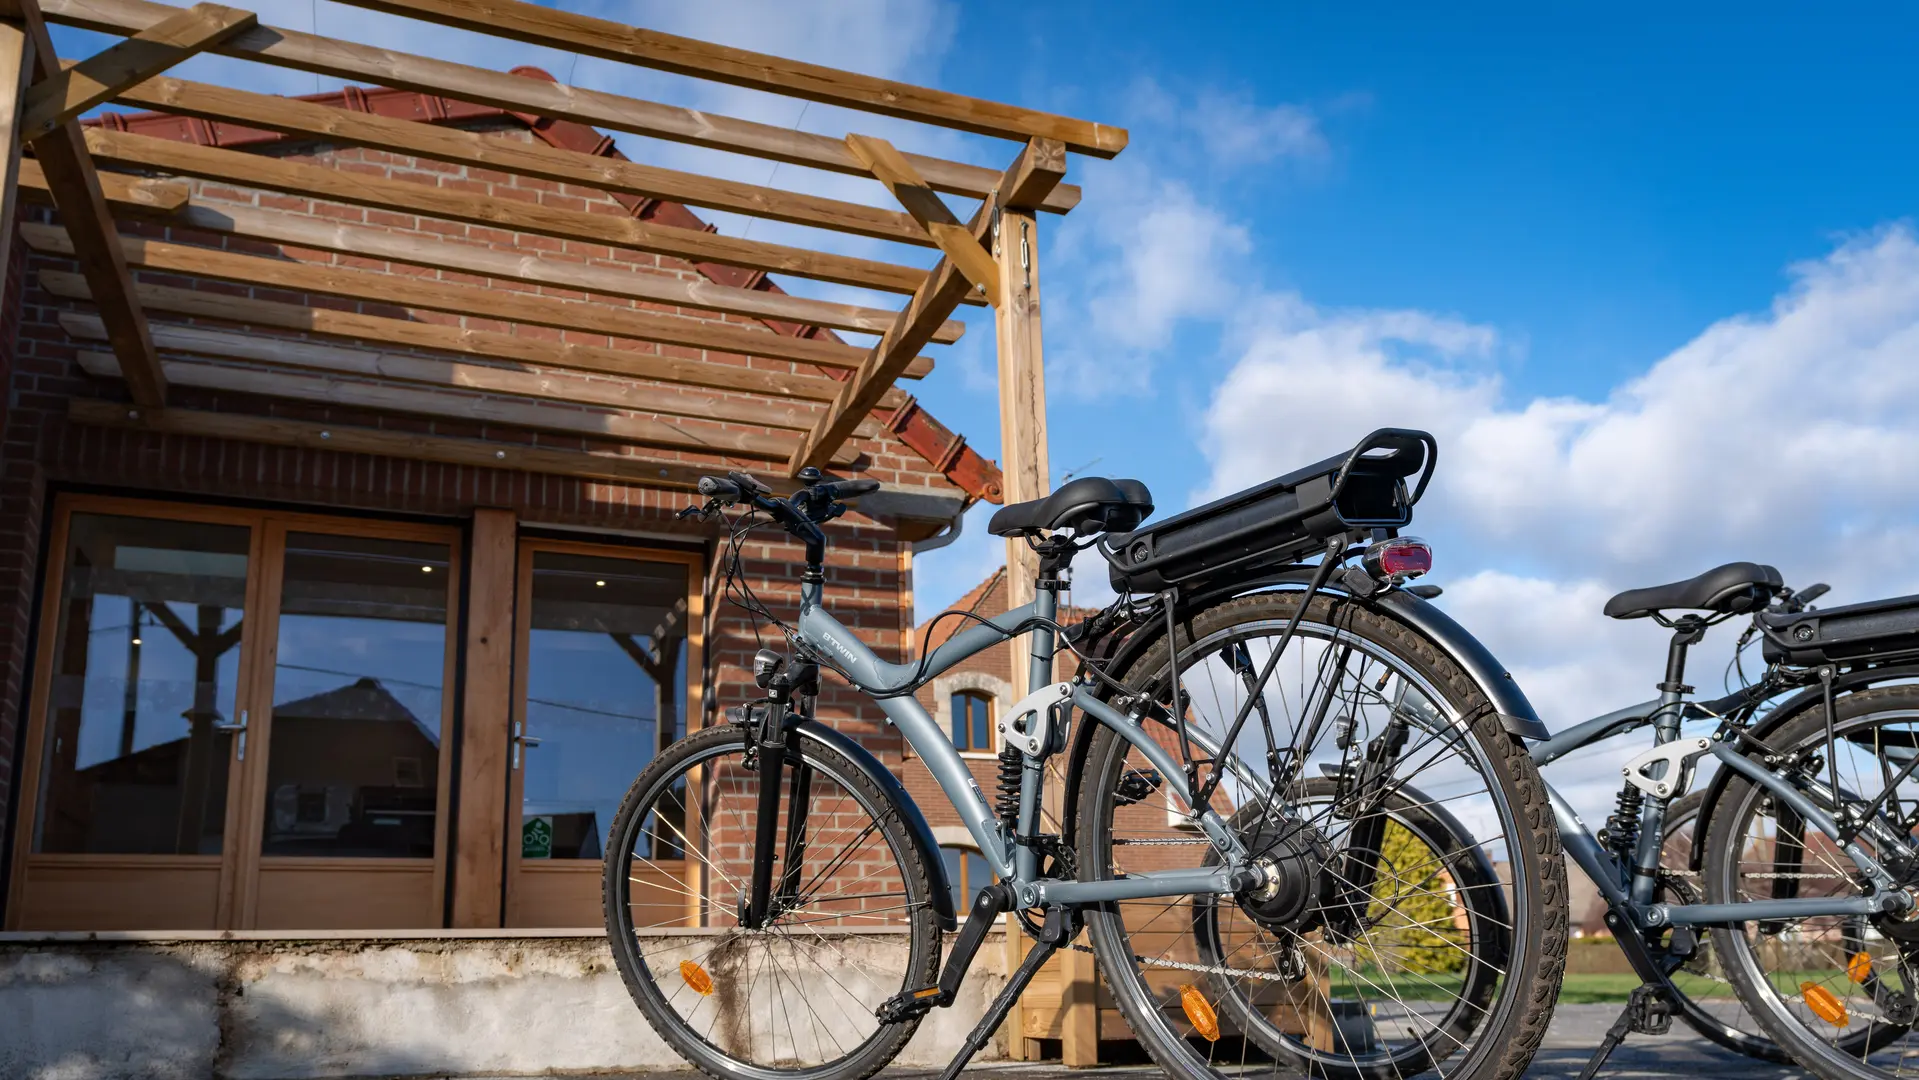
(917, 830)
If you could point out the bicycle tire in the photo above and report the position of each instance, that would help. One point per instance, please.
(1506, 1040)
(718, 899)
(1727, 842)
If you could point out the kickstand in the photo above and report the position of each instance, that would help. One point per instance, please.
(1036, 957)
(1647, 1012)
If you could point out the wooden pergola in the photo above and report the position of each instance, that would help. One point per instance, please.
(98, 176)
(101, 176)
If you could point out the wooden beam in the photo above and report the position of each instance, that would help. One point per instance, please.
(145, 197)
(300, 51)
(63, 157)
(532, 24)
(122, 192)
(16, 71)
(466, 300)
(486, 344)
(398, 196)
(516, 381)
(932, 302)
(892, 169)
(321, 122)
(95, 80)
(350, 439)
(479, 859)
(422, 401)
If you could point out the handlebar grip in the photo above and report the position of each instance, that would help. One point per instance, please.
(714, 487)
(850, 489)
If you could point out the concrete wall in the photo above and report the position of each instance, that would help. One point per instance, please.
(266, 1007)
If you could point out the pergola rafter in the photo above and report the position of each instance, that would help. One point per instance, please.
(343, 326)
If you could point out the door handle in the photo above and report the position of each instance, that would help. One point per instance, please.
(238, 729)
(521, 741)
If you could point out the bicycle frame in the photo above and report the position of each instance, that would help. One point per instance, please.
(1014, 862)
(1630, 888)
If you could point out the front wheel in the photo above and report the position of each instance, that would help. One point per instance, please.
(853, 923)
(1415, 918)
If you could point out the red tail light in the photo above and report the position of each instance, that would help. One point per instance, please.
(1399, 559)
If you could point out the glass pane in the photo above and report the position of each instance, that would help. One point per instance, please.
(353, 768)
(982, 722)
(960, 721)
(605, 690)
(146, 664)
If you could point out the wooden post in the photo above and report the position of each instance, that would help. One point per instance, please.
(16, 65)
(479, 860)
(1023, 461)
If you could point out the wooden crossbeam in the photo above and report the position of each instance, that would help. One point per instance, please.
(455, 375)
(1038, 164)
(301, 51)
(358, 189)
(122, 192)
(511, 381)
(352, 439)
(891, 168)
(473, 408)
(310, 120)
(533, 24)
(69, 173)
(97, 79)
(456, 299)
(163, 201)
(483, 344)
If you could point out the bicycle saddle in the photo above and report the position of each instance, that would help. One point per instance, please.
(1730, 589)
(1086, 505)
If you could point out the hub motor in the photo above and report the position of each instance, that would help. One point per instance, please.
(1291, 857)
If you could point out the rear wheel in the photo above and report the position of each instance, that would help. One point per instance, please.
(795, 999)
(1393, 942)
(1834, 991)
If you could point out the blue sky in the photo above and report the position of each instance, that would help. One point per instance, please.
(1650, 279)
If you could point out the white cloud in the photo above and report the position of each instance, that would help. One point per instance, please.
(1781, 437)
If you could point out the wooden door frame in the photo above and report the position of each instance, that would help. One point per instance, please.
(695, 564)
(240, 857)
(33, 747)
(252, 825)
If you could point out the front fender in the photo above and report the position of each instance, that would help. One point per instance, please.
(917, 829)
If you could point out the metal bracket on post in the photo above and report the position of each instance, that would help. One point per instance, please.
(1034, 736)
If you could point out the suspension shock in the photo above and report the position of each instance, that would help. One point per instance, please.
(1007, 787)
(1620, 835)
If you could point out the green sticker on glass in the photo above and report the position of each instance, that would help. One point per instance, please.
(536, 837)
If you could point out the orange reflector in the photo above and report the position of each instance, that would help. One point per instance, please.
(1823, 1004)
(696, 977)
(1199, 1012)
(1859, 968)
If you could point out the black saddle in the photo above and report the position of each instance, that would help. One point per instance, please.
(1086, 505)
(1730, 589)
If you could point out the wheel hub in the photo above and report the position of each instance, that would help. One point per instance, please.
(1291, 857)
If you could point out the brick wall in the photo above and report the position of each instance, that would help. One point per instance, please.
(41, 451)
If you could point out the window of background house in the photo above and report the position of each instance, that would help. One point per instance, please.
(973, 720)
(967, 873)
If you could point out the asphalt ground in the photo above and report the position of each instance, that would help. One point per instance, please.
(1575, 1033)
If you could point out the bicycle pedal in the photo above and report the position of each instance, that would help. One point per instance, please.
(907, 1004)
(1653, 1017)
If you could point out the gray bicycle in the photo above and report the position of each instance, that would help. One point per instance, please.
(1287, 800)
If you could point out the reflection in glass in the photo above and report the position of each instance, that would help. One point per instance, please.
(605, 690)
(146, 662)
(358, 682)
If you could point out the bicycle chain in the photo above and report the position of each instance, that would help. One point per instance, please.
(1181, 965)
